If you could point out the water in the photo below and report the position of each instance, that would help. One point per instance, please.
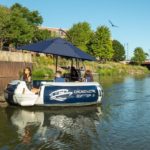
(122, 122)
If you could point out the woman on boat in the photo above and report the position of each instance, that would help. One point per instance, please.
(88, 77)
(27, 77)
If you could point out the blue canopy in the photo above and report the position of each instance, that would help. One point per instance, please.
(58, 47)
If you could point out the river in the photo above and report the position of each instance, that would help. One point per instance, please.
(122, 122)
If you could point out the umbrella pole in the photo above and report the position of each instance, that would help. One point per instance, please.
(76, 63)
(72, 62)
(56, 63)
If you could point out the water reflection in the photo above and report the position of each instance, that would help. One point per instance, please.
(109, 81)
(55, 129)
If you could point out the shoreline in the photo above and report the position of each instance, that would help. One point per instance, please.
(3, 103)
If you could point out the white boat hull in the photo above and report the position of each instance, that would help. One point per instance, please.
(54, 94)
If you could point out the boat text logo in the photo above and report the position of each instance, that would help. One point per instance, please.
(60, 95)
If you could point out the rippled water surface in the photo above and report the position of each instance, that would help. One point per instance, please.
(122, 122)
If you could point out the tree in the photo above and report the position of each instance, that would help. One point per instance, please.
(31, 21)
(139, 56)
(4, 19)
(32, 17)
(80, 35)
(41, 35)
(119, 51)
(19, 31)
(19, 25)
(100, 44)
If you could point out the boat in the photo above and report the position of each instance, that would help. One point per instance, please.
(55, 93)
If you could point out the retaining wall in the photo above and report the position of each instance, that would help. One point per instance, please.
(12, 63)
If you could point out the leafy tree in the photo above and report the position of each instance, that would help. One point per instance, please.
(119, 51)
(139, 56)
(80, 35)
(19, 31)
(4, 19)
(101, 45)
(32, 17)
(19, 25)
(28, 22)
(41, 35)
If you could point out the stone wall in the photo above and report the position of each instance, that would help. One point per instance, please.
(13, 63)
(12, 69)
(15, 56)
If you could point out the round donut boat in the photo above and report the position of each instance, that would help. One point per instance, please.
(54, 93)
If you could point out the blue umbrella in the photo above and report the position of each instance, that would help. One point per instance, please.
(58, 47)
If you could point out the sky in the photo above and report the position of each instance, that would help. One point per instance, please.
(131, 16)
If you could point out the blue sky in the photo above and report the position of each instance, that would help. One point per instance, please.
(132, 17)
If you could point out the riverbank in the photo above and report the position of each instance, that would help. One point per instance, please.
(45, 67)
(42, 66)
(112, 69)
(3, 103)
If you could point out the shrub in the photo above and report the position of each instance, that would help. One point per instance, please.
(42, 72)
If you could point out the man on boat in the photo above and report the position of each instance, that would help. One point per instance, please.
(58, 77)
(74, 74)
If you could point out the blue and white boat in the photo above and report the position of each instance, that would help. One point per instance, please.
(54, 93)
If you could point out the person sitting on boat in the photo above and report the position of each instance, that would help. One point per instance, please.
(58, 77)
(82, 71)
(27, 77)
(74, 74)
(88, 77)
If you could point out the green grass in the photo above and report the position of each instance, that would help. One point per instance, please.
(42, 66)
(42, 60)
(111, 69)
(42, 72)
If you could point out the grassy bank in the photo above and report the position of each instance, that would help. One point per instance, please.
(111, 69)
(45, 67)
(42, 67)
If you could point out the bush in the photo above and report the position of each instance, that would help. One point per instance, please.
(41, 66)
(42, 60)
(42, 72)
